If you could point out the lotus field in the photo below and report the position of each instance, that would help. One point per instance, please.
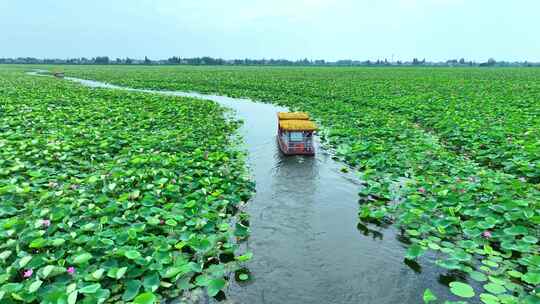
(108, 196)
(451, 156)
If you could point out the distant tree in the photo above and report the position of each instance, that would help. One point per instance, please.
(490, 62)
(174, 60)
(101, 60)
(344, 62)
(284, 62)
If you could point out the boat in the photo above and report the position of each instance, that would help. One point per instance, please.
(295, 133)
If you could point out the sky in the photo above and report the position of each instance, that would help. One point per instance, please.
(292, 29)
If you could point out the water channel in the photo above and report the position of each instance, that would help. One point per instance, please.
(305, 237)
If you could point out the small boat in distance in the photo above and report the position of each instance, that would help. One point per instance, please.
(58, 74)
(295, 133)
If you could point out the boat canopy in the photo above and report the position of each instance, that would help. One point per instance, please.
(293, 116)
(297, 125)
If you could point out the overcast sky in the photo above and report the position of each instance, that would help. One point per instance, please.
(292, 29)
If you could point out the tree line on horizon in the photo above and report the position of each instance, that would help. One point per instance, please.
(105, 60)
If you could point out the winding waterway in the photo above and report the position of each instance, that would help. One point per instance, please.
(305, 237)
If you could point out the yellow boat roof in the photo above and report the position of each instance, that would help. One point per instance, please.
(297, 125)
(293, 116)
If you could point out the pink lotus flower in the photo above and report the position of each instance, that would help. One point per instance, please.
(422, 190)
(161, 222)
(46, 223)
(71, 270)
(28, 273)
(486, 234)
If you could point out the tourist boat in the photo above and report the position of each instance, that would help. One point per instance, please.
(295, 133)
(58, 74)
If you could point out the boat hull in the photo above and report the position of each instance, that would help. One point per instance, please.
(294, 150)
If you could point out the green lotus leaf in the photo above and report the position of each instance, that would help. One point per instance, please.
(516, 230)
(132, 254)
(489, 298)
(35, 286)
(38, 243)
(81, 258)
(478, 276)
(449, 264)
(532, 278)
(530, 239)
(151, 282)
(145, 298)
(461, 289)
(88, 289)
(429, 296)
(243, 277)
(245, 257)
(515, 274)
(214, 286)
(494, 288)
(132, 290)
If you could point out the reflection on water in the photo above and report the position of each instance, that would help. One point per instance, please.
(296, 176)
(413, 265)
(306, 238)
(366, 231)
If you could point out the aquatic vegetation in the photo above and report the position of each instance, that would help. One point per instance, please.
(463, 106)
(451, 156)
(114, 197)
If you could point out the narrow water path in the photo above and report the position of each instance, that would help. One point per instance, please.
(307, 244)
